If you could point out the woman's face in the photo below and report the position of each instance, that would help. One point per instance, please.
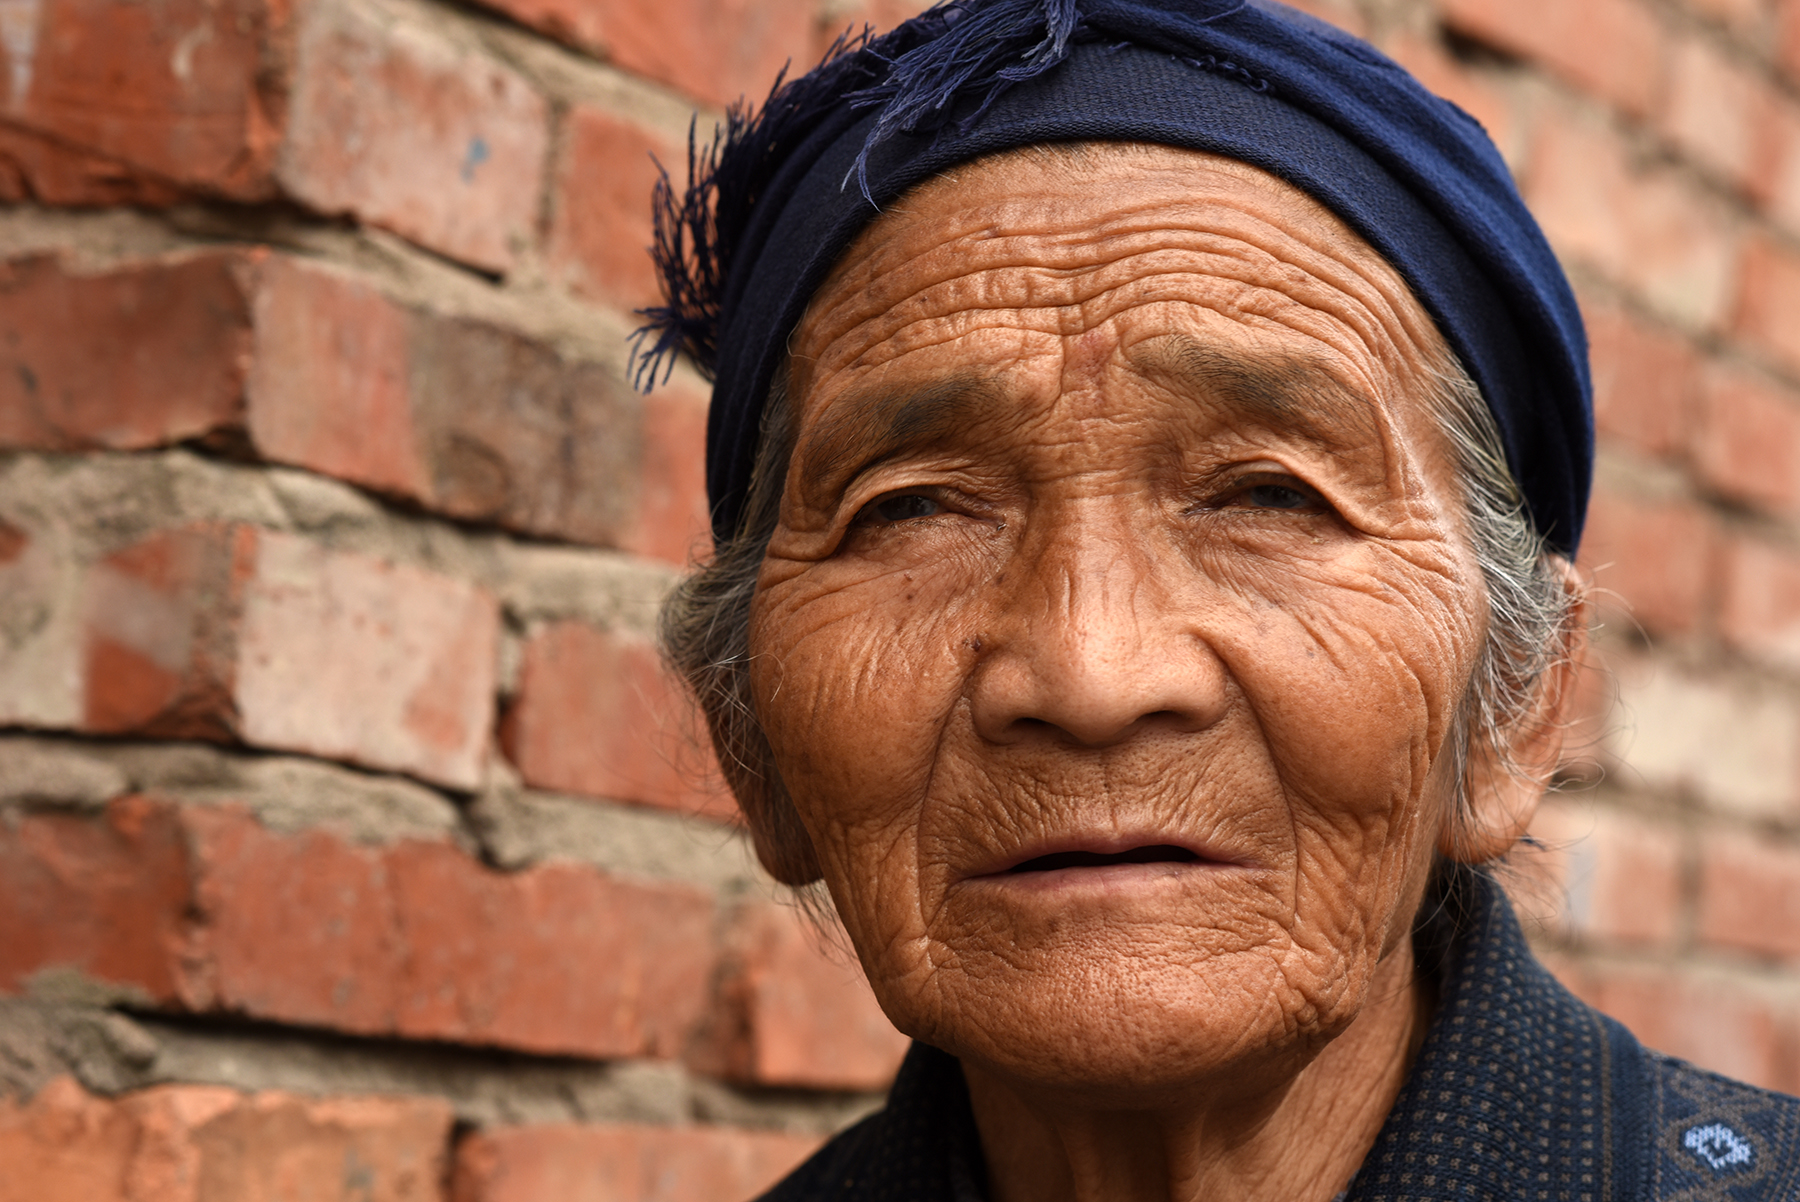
(1118, 614)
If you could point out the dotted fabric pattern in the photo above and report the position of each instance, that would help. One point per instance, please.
(1520, 1093)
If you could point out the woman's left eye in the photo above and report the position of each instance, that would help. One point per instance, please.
(902, 507)
(1291, 497)
(1279, 496)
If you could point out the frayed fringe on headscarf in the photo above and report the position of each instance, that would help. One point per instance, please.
(991, 45)
(914, 75)
(697, 231)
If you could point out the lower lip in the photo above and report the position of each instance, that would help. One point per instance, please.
(1105, 878)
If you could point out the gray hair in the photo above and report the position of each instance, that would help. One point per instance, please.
(705, 623)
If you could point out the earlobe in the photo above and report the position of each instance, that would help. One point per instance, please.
(1503, 786)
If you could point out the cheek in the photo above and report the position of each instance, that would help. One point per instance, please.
(855, 682)
(1355, 673)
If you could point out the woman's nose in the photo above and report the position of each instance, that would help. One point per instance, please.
(1093, 648)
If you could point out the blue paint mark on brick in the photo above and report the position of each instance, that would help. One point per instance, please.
(478, 154)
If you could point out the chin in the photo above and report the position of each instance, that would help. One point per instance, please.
(1129, 1029)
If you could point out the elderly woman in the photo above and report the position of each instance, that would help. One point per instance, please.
(1148, 444)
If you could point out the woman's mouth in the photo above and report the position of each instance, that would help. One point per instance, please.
(1156, 853)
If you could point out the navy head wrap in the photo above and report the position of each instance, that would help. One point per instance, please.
(781, 194)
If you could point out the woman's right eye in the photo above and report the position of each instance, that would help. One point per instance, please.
(901, 507)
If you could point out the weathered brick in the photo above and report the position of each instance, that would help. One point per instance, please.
(1717, 1023)
(673, 522)
(788, 1013)
(1646, 381)
(714, 50)
(1647, 227)
(1768, 296)
(398, 123)
(1747, 441)
(179, 89)
(196, 1143)
(106, 897)
(624, 1163)
(1739, 14)
(467, 418)
(1733, 746)
(202, 909)
(557, 959)
(222, 632)
(597, 715)
(175, 333)
(1612, 876)
(1775, 183)
(34, 167)
(1615, 49)
(330, 385)
(1750, 895)
(600, 231)
(1716, 110)
(1656, 555)
(1759, 605)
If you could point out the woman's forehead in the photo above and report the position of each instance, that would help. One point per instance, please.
(1164, 260)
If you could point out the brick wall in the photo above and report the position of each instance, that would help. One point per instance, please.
(351, 845)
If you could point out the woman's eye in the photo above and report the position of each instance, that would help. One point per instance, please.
(1291, 498)
(1278, 496)
(903, 506)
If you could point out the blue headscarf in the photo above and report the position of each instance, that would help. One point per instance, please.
(781, 193)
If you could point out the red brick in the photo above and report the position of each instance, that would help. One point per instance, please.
(464, 417)
(219, 632)
(176, 333)
(395, 122)
(1646, 227)
(34, 167)
(1775, 184)
(1716, 109)
(558, 959)
(204, 910)
(191, 1143)
(1759, 606)
(179, 89)
(600, 233)
(714, 50)
(329, 388)
(625, 1163)
(1739, 14)
(1450, 79)
(673, 521)
(788, 1013)
(1611, 876)
(1615, 49)
(1646, 381)
(1788, 50)
(1717, 1024)
(1750, 895)
(1747, 445)
(107, 897)
(1768, 297)
(597, 715)
(1656, 555)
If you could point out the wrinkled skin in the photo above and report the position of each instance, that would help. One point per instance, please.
(1118, 519)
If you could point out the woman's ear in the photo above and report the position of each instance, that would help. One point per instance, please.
(1504, 784)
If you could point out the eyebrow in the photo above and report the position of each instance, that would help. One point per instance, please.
(863, 429)
(1286, 392)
